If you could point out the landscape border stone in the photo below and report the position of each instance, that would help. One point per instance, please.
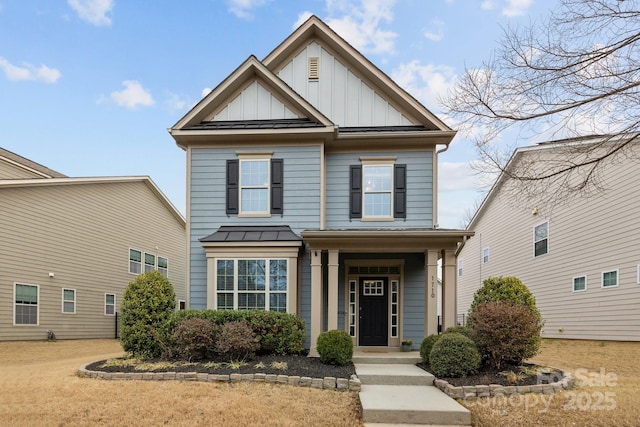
(327, 383)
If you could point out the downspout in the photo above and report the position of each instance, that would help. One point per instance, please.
(435, 184)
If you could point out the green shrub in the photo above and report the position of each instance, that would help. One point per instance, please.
(454, 355)
(335, 347)
(509, 289)
(147, 303)
(237, 341)
(194, 339)
(426, 346)
(506, 332)
(464, 330)
(277, 333)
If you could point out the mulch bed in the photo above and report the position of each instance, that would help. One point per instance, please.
(301, 366)
(488, 376)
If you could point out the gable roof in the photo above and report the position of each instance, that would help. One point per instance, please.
(28, 165)
(16, 183)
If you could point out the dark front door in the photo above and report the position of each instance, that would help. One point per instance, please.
(374, 316)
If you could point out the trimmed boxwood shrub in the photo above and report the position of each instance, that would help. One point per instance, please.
(509, 289)
(335, 347)
(454, 355)
(427, 346)
(236, 341)
(464, 330)
(194, 339)
(147, 303)
(277, 333)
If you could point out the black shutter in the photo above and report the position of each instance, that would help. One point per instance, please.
(232, 186)
(400, 191)
(277, 186)
(355, 196)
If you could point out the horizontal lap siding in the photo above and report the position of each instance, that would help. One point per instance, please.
(208, 200)
(11, 171)
(419, 191)
(586, 237)
(82, 234)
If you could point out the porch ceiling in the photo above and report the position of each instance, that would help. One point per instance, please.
(416, 240)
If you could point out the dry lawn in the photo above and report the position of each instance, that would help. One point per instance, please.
(607, 395)
(39, 387)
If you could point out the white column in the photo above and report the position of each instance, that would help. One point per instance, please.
(316, 300)
(448, 289)
(332, 306)
(430, 292)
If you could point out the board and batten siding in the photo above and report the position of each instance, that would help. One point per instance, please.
(419, 191)
(255, 102)
(301, 165)
(586, 237)
(82, 234)
(338, 93)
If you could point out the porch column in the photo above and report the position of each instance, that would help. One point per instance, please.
(332, 306)
(316, 300)
(430, 292)
(448, 289)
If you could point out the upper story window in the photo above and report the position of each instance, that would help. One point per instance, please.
(149, 262)
(163, 266)
(541, 239)
(485, 255)
(378, 190)
(254, 185)
(135, 261)
(609, 278)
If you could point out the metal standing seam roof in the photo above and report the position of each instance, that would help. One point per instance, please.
(255, 124)
(273, 233)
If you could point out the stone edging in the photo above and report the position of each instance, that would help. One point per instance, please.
(326, 383)
(495, 390)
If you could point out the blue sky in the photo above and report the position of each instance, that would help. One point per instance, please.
(89, 87)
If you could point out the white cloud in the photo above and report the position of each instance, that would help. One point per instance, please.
(358, 22)
(487, 5)
(302, 17)
(427, 82)
(175, 102)
(244, 8)
(437, 32)
(516, 7)
(132, 96)
(205, 91)
(27, 71)
(93, 11)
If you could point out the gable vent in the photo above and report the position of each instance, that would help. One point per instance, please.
(314, 68)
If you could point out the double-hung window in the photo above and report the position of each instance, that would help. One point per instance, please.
(377, 190)
(149, 262)
(109, 304)
(26, 304)
(251, 284)
(541, 239)
(69, 301)
(163, 266)
(254, 185)
(485, 255)
(135, 261)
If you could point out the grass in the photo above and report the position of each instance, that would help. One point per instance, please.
(39, 387)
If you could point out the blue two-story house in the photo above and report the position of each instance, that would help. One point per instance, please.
(312, 189)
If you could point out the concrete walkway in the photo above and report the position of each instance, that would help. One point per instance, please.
(396, 392)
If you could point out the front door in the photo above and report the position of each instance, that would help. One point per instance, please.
(374, 316)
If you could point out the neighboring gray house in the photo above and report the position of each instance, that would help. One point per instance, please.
(581, 259)
(312, 189)
(70, 246)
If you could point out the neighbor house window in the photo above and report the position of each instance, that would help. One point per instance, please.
(182, 305)
(149, 262)
(579, 283)
(26, 304)
(110, 304)
(251, 284)
(541, 239)
(135, 261)
(377, 190)
(163, 266)
(460, 266)
(255, 186)
(69, 301)
(485, 255)
(609, 278)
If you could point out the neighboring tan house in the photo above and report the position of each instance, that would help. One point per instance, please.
(581, 258)
(70, 246)
(312, 189)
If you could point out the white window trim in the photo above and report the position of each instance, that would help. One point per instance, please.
(158, 264)
(255, 157)
(535, 241)
(638, 275)
(610, 271)
(180, 302)
(144, 262)
(485, 261)
(15, 284)
(573, 283)
(74, 301)
(141, 261)
(114, 304)
(236, 291)
(369, 162)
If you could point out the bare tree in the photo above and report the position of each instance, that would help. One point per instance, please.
(576, 73)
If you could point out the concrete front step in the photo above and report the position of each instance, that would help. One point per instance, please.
(409, 358)
(398, 374)
(423, 405)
